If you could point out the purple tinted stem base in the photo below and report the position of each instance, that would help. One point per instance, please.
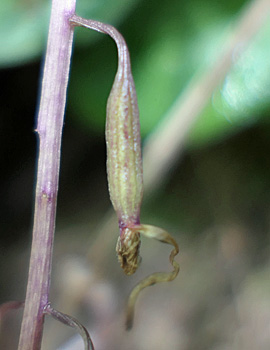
(49, 129)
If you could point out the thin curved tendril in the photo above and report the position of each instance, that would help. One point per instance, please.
(162, 236)
(71, 322)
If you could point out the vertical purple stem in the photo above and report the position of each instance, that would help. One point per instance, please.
(49, 128)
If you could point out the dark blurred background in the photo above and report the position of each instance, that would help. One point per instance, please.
(214, 198)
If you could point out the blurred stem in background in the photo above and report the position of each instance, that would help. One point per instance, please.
(176, 125)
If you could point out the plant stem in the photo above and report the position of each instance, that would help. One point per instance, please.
(49, 128)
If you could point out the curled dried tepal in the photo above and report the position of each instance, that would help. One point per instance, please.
(124, 168)
(162, 236)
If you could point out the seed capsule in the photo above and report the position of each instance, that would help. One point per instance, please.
(124, 169)
(124, 160)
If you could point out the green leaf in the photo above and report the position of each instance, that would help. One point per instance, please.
(23, 28)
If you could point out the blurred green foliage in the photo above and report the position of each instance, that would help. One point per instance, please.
(24, 25)
(170, 42)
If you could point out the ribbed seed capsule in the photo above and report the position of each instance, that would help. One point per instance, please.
(124, 162)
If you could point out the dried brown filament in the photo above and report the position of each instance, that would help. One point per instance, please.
(163, 236)
(127, 248)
